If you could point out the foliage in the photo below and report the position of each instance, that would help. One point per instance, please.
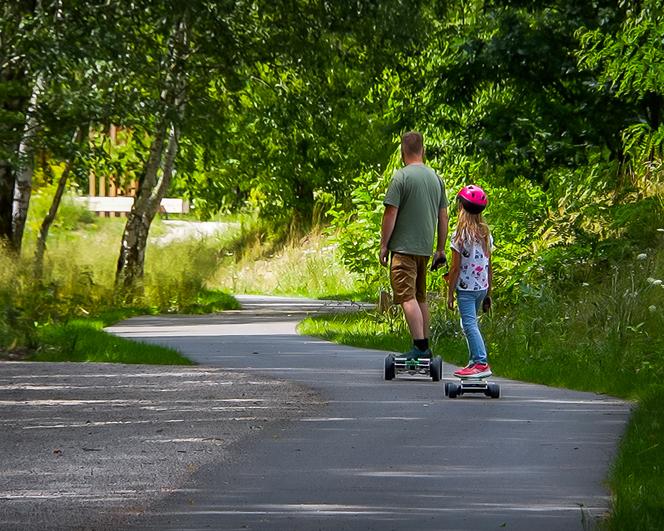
(514, 97)
(630, 63)
(358, 228)
(309, 266)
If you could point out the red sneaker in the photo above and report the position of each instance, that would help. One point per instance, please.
(475, 370)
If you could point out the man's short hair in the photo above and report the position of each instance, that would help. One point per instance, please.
(412, 143)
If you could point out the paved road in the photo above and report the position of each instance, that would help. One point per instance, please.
(85, 445)
(386, 455)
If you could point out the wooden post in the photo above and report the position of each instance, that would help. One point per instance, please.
(102, 193)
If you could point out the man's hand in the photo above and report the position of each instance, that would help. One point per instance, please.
(384, 256)
(439, 260)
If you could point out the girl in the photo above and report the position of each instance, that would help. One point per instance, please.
(470, 275)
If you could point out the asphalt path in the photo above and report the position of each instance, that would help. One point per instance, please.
(385, 454)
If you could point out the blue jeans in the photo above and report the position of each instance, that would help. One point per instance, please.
(469, 303)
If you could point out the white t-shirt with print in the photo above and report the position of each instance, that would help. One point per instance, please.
(474, 268)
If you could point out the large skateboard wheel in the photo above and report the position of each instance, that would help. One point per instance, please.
(493, 390)
(436, 369)
(453, 390)
(390, 367)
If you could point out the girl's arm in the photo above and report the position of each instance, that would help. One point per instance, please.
(486, 303)
(453, 278)
(488, 291)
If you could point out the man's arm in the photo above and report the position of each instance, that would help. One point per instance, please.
(443, 222)
(387, 228)
(439, 256)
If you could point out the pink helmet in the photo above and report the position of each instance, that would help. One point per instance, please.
(473, 198)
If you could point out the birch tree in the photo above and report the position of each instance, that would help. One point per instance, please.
(14, 97)
(158, 171)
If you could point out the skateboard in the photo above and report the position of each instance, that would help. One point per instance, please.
(472, 385)
(395, 365)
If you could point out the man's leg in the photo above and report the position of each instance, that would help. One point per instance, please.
(412, 310)
(424, 309)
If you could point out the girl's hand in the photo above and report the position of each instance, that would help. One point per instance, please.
(450, 302)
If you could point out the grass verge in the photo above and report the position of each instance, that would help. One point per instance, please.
(636, 476)
(59, 315)
(84, 340)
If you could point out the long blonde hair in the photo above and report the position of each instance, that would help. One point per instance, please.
(472, 228)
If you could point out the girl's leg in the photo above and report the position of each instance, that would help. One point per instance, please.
(469, 303)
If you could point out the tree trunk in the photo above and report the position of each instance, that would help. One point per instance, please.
(146, 205)
(7, 182)
(135, 236)
(23, 183)
(15, 85)
(152, 187)
(53, 210)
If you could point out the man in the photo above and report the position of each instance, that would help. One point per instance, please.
(415, 205)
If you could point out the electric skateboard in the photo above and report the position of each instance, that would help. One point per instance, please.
(395, 365)
(472, 384)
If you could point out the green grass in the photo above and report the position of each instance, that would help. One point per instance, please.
(307, 266)
(83, 340)
(55, 317)
(636, 477)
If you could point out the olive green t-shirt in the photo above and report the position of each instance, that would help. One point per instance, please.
(419, 194)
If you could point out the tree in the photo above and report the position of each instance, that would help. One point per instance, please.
(15, 89)
(56, 67)
(301, 121)
(163, 150)
(500, 85)
(630, 66)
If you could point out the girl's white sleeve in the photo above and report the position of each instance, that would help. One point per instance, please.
(453, 243)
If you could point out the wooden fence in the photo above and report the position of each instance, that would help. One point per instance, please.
(107, 198)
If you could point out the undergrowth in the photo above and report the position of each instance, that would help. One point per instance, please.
(307, 265)
(39, 314)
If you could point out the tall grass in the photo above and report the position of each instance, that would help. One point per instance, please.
(637, 475)
(607, 333)
(306, 266)
(78, 281)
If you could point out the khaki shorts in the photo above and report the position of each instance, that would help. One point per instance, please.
(408, 275)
